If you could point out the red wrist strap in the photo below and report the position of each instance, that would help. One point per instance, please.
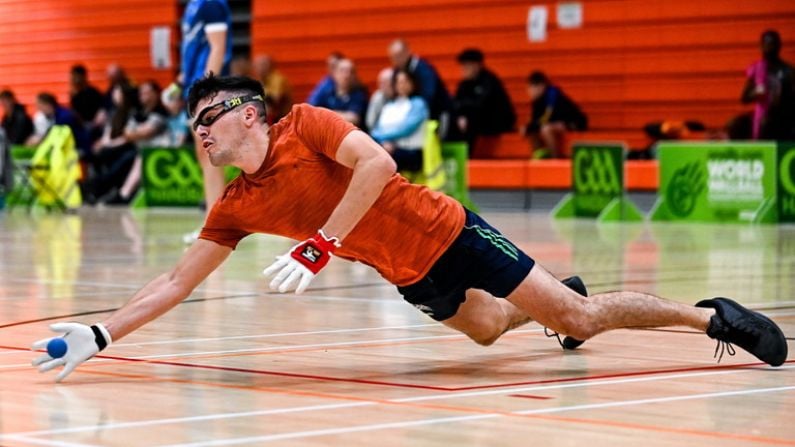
(315, 253)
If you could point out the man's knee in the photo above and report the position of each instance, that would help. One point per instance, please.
(580, 323)
(485, 332)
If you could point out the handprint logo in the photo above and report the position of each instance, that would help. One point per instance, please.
(686, 185)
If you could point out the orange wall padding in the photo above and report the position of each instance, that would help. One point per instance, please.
(42, 39)
(632, 62)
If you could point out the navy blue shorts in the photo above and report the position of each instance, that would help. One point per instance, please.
(479, 258)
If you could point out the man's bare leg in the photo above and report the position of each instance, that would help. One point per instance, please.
(484, 318)
(556, 306)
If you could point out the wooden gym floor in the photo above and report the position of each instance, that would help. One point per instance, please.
(349, 363)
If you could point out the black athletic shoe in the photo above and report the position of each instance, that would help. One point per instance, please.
(752, 331)
(570, 343)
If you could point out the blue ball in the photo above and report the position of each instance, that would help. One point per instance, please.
(56, 348)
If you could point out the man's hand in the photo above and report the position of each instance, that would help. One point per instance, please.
(83, 342)
(299, 266)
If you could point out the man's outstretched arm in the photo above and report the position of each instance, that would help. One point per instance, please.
(168, 289)
(155, 299)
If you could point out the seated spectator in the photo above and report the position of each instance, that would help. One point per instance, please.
(278, 92)
(552, 114)
(114, 154)
(770, 87)
(240, 66)
(325, 85)
(430, 85)
(16, 123)
(115, 75)
(86, 101)
(177, 122)
(482, 106)
(401, 126)
(383, 94)
(147, 128)
(347, 98)
(54, 114)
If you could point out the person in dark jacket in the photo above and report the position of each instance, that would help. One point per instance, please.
(552, 114)
(16, 122)
(482, 106)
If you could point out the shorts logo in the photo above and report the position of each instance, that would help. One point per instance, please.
(497, 240)
(311, 254)
(425, 309)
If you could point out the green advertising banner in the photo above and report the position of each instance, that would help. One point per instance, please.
(598, 184)
(786, 181)
(172, 177)
(717, 182)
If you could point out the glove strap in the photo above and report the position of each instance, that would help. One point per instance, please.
(315, 253)
(101, 336)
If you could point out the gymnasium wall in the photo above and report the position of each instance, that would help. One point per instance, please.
(632, 62)
(41, 39)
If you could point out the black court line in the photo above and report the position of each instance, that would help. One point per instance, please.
(194, 300)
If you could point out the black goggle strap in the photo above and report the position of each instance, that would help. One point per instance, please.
(227, 105)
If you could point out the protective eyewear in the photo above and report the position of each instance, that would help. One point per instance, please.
(210, 114)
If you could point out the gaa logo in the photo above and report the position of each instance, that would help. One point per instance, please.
(596, 171)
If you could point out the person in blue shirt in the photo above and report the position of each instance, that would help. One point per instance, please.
(206, 48)
(59, 115)
(401, 125)
(326, 85)
(347, 97)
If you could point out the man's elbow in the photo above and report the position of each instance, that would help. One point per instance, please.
(385, 164)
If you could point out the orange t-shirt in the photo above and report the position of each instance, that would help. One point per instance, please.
(299, 184)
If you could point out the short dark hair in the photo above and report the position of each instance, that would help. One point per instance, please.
(47, 98)
(538, 78)
(209, 86)
(470, 55)
(79, 69)
(7, 94)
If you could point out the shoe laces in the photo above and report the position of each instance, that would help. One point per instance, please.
(723, 346)
(550, 333)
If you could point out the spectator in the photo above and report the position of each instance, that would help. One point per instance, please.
(206, 48)
(325, 85)
(384, 93)
(401, 126)
(55, 114)
(770, 86)
(148, 127)
(430, 86)
(116, 76)
(552, 114)
(481, 105)
(177, 122)
(86, 101)
(16, 123)
(240, 66)
(278, 92)
(114, 154)
(347, 98)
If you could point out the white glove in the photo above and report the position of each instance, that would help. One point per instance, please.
(300, 265)
(292, 275)
(83, 342)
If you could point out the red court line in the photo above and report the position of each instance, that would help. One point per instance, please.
(439, 388)
(475, 410)
(472, 410)
(425, 387)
